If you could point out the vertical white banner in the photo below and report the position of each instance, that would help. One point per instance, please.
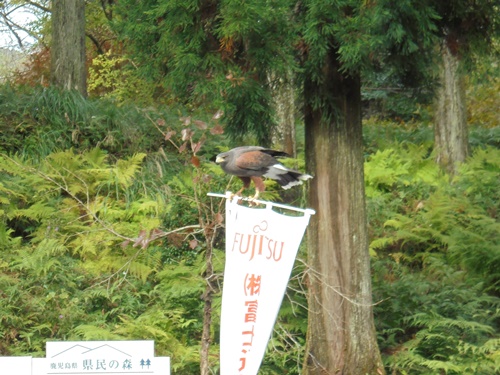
(261, 246)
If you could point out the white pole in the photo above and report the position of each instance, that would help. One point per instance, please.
(270, 205)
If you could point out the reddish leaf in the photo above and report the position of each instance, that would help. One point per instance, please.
(176, 239)
(183, 147)
(219, 218)
(186, 120)
(140, 239)
(161, 122)
(186, 134)
(156, 233)
(195, 147)
(217, 129)
(193, 244)
(169, 135)
(202, 125)
(195, 161)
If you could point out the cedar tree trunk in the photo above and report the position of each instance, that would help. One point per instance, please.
(450, 128)
(68, 70)
(341, 336)
(283, 91)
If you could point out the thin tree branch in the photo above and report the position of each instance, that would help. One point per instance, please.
(38, 6)
(11, 29)
(107, 9)
(94, 40)
(14, 27)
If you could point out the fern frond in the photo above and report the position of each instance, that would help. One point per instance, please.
(89, 332)
(125, 170)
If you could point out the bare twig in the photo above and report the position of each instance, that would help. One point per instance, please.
(38, 6)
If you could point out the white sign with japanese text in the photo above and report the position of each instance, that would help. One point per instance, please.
(261, 246)
(103, 357)
(90, 357)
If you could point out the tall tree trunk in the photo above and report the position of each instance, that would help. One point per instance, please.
(450, 125)
(68, 69)
(341, 336)
(283, 92)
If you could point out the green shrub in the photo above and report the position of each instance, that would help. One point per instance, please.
(83, 257)
(38, 121)
(437, 320)
(437, 256)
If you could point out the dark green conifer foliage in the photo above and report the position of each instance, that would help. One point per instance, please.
(212, 53)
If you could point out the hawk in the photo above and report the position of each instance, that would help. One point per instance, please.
(251, 163)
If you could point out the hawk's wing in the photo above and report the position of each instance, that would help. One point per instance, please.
(255, 161)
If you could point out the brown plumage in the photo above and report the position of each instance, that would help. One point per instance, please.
(251, 163)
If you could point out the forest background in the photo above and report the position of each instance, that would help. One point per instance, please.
(106, 231)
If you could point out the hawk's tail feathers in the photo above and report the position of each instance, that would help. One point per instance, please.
(286, 177)
(292, 178)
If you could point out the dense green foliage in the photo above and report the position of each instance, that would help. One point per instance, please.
(107, 242)
(224, 53)
(105, 225)
(437, 256)
(217, 54)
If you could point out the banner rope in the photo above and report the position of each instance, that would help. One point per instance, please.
(268, 204)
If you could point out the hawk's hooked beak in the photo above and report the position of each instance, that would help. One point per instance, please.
(219, 159)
